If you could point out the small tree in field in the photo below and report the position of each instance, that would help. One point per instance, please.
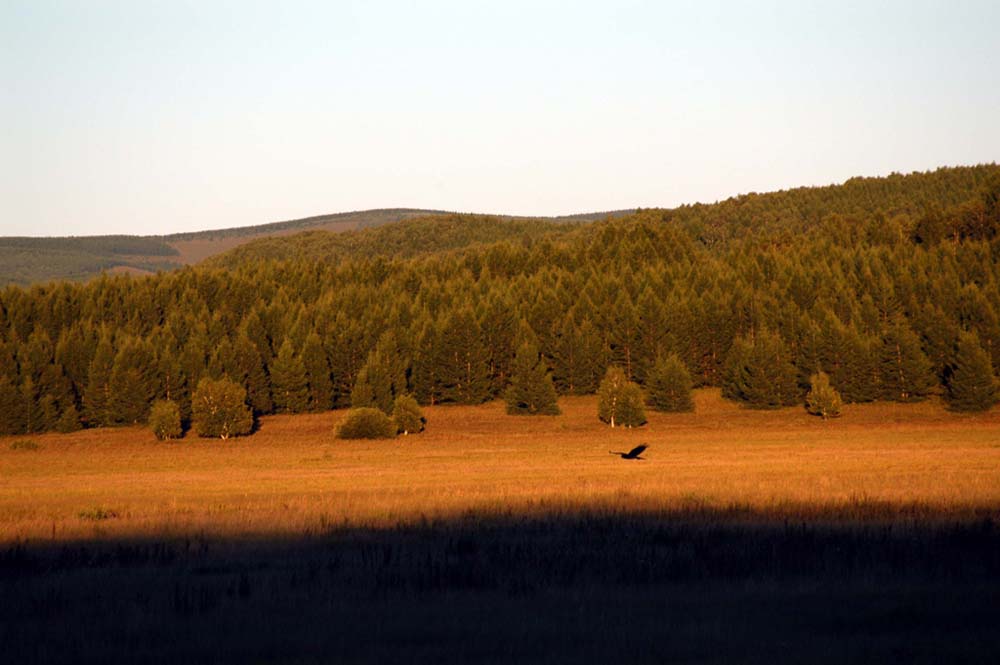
(165, 419)
(407, 415)
(822, 399)
(367, 423)
(619, 401)
(219, 409)
(531, 391)
(669, 385)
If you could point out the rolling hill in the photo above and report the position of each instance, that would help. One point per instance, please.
(28, 260)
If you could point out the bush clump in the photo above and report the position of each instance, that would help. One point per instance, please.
(619, 401)
(24, 444)
(367, 423)
(165, 419)
(823, 400)
(407, 415)
(219, 409)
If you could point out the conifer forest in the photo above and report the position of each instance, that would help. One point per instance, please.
(888, 285)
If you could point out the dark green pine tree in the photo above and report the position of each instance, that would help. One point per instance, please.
(223, 361)
(289, 385)
(905, 373)
(97, 396)
(463, 369)
(857, 378)
(668, 387)
(173, 385)
(39, 410)
(133, 382)
(578, 357)
(499, 323)
(383, 376)
(74, 351)
(317, 368)
(759, 374)
(424, 378)
(531, 391)
(12, 411)
(250, 370)
(972, 386)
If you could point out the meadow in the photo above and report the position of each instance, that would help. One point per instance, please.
(746, 536)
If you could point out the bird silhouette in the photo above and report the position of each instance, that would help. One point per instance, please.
(632, 454)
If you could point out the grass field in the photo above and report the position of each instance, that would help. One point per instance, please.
(292, 475)
(743, 537)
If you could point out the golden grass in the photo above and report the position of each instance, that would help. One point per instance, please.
(294, 477)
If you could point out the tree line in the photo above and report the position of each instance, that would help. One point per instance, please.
(883, 306)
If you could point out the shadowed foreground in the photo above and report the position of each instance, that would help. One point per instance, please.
(867, 582)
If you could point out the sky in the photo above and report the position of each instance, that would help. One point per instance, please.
(144, 117)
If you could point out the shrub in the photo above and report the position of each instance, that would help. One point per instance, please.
(620, 401)
(24, 444)
(366, 423)
(407, 415)
(822, 399)
(219, 409)
(165, 419)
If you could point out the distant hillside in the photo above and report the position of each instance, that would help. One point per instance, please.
(31, 260)
(27, 261)
(413, 237)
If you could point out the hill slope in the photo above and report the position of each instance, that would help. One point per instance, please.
(25, 260)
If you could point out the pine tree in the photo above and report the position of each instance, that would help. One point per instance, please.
(578, 358)
(822, 399)
(97, 397)
(531, 391)
(619, 401)
(69, 421)
(289, 385)
(668, 387)
(498, 321)
(905, 372)
(132, 383)
(250, 369)
(972, 386)
(12, 411)
(317, 373)
(383, 376)
(463, 363)
(758, 372)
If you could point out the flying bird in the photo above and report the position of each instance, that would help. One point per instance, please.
(632, 454)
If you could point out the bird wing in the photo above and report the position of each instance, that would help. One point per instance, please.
(635, 452)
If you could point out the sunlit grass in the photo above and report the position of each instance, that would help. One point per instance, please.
(293, 476)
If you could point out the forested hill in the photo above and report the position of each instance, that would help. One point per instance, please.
(422, 235)
(891, 286)
(25, 260)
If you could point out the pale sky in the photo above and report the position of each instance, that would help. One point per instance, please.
(146, 117)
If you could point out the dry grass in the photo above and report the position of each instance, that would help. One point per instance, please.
(294, 477)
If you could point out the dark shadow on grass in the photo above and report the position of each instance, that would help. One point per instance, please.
(866, 582)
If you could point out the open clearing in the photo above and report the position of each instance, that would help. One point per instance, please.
(292, 476)
(752, 537)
